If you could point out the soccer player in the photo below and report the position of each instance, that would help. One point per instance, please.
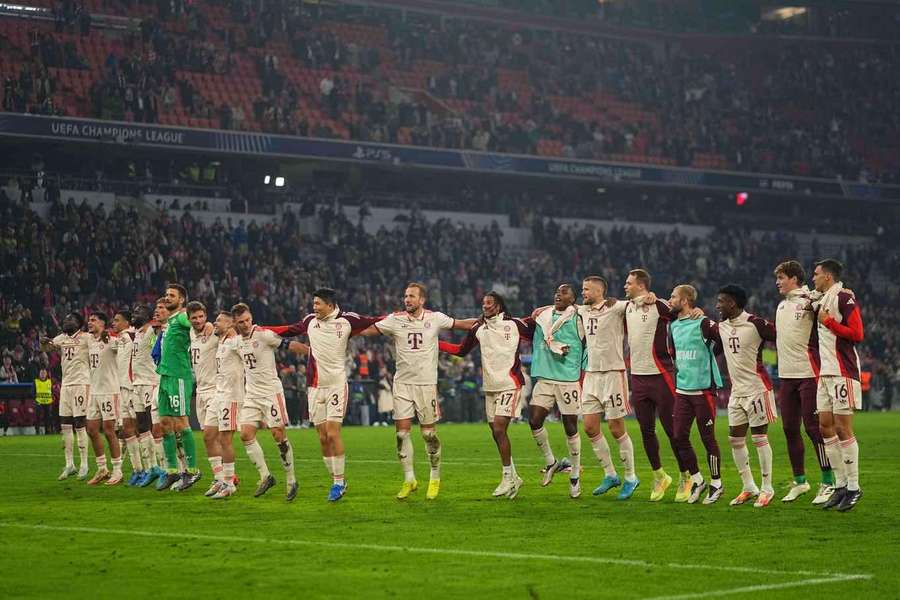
(75, 391)
(329, 330)
(697, 378)
(124, 349)
(652, 382)
(146, 391)
(840, 328)
(103, 405)
(176, 386)
(742, 336)
(499, 335)
(263, 400)
(415, 334)
(798, 371)
(605, 388)
(227, 401)
(558, 359)
(204, 346)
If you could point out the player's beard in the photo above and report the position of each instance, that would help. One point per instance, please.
(173, 308)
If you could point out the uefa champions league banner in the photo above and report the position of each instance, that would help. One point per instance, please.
(234, 142)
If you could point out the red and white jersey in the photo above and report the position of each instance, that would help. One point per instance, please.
(143, 369)
(742, 340)
(124, 349)
(604, 330)
(229, 369)
(74, 357)
(416, 344)
(327, 362)
(647, 326)
(798, 341)
(499, 338)
(260, 371)
(104, 368)
(839, 335)
(203, 360)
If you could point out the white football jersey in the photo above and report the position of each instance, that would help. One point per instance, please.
(230, 369)
(104, 368)
(203, 360)
(798, 340)
(124, 349)
(74, 357)
(604, 330)
(260, 371)
(742, 339)
(143, 369)
(416, 344)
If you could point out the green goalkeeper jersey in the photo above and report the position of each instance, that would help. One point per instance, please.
(176, 346)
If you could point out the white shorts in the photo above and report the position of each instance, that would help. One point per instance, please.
(564, 394)
(270, 410)
(206, 405)
(328, 404)
(837, 395)
(420, 401)
(147, 396)
(606, 392)
(502, 404)
(225, 413)
(756, 410)
(104, 407)
(127, 403)
(73, 400)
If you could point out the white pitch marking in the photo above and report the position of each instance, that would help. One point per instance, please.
(764, 587)
(423, 550)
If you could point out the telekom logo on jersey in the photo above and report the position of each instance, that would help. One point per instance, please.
(415, 340)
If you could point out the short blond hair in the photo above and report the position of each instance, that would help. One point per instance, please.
(687, 292)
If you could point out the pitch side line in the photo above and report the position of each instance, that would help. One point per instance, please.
(445, 551)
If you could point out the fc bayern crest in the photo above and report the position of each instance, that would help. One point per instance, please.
(427, 325)
(255, 344)
(646, 308)
(506, 328)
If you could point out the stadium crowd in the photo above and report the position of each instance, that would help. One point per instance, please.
(78, 259)
(341, 71)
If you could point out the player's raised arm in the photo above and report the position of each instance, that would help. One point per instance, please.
(462, 349)
(464, 324)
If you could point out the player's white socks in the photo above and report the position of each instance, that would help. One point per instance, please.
(101, 462)
(134, 453)
(159, 452)
(405, 454)
(82, 437)
(338, 462)
(69, 444)
(255, 453)
(626, 453)
(433, 449)
(601, 451)
(850, 454)
(145, 446)
(286, 451)
(574, 443)
(742, 461)
(833, 450)
(117, 465)
(329, 464)
(179, 453)
(228, 472)
(543, 442)
(218, 471)
(764, 452)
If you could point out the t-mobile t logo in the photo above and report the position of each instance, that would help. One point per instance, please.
(735, 344)
(415, 339)
(592, 327)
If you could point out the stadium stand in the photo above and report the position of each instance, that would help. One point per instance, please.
(376, 74)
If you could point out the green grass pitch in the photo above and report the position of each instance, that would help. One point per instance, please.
(66, 538)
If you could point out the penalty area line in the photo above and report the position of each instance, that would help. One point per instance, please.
(766, 587)
(816, 576)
